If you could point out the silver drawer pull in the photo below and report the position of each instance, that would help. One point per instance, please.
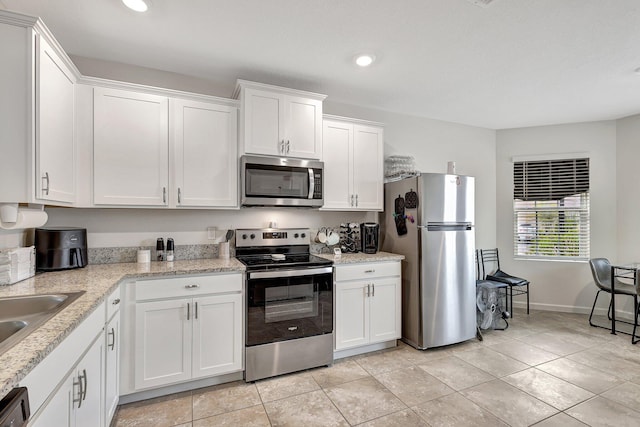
(370, 271)
(192, 286)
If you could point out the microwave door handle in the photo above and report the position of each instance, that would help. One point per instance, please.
(312, 183)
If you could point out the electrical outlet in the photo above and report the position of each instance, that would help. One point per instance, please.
(211, 233)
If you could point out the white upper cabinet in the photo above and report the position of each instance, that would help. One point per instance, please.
(55, 144)
(205, 155)
(353, 163)
(276, 121)
(149, 150)
(130, 148)
(36, 114)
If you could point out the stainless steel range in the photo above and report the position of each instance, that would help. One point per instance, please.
(289, 324)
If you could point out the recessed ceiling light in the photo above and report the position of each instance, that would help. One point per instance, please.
(137, 5)
(364, 60)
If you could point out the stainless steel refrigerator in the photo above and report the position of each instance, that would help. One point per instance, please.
(430, 220)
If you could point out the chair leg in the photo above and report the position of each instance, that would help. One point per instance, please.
(511, 299)
(636, 309)
(527, 298)
(593, 308)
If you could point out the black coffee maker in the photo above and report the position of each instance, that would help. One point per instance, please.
(369, 237)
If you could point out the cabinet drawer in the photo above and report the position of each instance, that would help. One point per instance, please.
(366, 271)
(113, 303)
(187, 286)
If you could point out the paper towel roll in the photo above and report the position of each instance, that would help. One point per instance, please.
(27, 218)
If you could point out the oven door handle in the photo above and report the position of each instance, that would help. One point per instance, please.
(289, 273)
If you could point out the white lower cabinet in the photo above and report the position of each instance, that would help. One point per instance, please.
(78, 400)
(368, 304)
(185, 329)
(76, 385)
(112, 357)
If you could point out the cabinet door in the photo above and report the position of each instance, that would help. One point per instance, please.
(337, 141)
(88, 411)
(385, 314)
(263, 118)
(352, 314)
(205, 163)
(303, 122)
(112, 368)
(217, 335)
(57, 412)
(368, 161)
(55, 143)
(130, 148)
(162, 342)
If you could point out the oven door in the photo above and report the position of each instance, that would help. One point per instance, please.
(288, 304)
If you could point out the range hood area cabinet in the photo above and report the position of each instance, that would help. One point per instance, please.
(277, 121)
(153, 151)
(353, 164)
(37, 82)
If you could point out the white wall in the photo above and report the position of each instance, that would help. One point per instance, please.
(433, 143)
(628, 178)
(557, 285)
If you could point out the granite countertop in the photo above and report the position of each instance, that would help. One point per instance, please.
(98, 281)
(362, 257)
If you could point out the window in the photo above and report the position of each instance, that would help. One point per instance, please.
(551, 209)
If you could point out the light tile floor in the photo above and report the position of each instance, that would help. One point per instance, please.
(547, 369)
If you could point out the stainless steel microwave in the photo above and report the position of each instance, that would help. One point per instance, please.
(275, 181)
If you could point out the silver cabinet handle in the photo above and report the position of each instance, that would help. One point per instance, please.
(356, 200)
(84, 389)
(368, 290)
(370, 271)
(116, 301)
(188, 311)
(192, 286)
(373, 289)
(196, 309)
(112, 334)
(282, 147)
(352, 200)
(179, 195)
(164, 194)
(45, 190)
(287, 146)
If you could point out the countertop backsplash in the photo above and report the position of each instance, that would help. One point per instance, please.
(129, 254)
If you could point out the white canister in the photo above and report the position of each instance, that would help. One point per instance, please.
(451, 168)
(144, 256)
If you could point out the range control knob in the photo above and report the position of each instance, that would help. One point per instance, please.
(244, 236)
(295, 235)
(303, 235)
(253, 236)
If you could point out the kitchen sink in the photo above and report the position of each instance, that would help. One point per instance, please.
(19, 316)
(10, 327)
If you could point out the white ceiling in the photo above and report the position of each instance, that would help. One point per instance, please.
(515, 63)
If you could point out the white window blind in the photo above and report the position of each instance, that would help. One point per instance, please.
(551, 209)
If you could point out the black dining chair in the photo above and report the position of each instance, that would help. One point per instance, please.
(517, 285)
(601, 271)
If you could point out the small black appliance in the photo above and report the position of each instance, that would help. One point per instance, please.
(60, 248)
(369, 237)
